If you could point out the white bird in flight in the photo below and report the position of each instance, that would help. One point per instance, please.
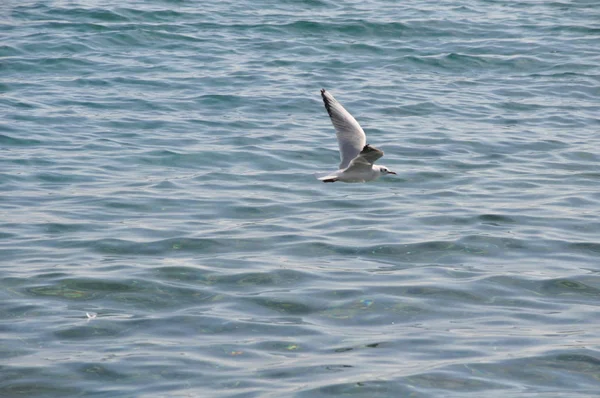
(357, 156)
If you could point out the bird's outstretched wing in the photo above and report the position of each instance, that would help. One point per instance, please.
(351, 137)
(371, 154)
(365, 160)
(358, 165)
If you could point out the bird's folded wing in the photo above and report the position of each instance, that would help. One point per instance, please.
(351, 137)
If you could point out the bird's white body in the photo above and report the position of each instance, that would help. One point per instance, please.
(357, 157)
(363, 174)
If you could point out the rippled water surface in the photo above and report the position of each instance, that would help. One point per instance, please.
(162, 233)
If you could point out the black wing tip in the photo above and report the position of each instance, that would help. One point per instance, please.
(368, 149)
(326, 101)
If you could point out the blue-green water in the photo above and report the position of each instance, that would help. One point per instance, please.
(156, 171)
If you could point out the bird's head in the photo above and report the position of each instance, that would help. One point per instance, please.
(384, 170)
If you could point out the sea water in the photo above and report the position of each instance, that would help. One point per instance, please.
(162, 233)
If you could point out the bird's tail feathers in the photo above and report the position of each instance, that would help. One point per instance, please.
(325, 176)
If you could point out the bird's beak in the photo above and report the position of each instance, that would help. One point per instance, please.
(391, 172)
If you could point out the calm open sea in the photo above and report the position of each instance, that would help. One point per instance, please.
(162, 233)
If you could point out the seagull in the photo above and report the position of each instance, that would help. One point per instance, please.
(357, 156)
